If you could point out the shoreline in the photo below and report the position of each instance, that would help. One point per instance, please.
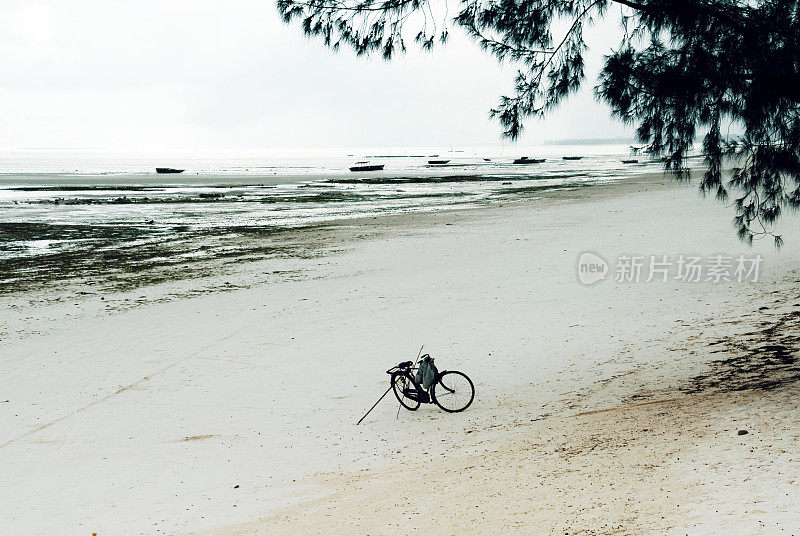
(285, 252)
(203, 253)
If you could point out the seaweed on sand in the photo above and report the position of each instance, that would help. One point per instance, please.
(122, 257)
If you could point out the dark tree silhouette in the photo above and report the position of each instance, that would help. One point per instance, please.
(683, 69)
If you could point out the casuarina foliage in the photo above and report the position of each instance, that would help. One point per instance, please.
(724, 72)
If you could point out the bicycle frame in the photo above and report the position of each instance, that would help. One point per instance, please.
(409, 368)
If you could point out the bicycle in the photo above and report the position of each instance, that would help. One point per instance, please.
(451, 390)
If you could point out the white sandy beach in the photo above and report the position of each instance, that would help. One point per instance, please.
(227, 406)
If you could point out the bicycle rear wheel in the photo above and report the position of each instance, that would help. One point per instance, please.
(453, 392)
(401, 383)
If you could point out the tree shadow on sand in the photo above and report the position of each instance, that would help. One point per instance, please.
(764, 359)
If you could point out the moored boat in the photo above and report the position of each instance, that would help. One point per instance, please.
(366, 166)
(168, 170)
(437, 162)
(526, 160)
(571, 157)
(631, 161)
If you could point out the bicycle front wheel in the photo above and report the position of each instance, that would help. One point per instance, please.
(401, 385)
(454, 391)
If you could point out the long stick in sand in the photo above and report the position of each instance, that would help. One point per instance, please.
(373, 405)
(387, 392)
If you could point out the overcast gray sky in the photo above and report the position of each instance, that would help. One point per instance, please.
(161, 74)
